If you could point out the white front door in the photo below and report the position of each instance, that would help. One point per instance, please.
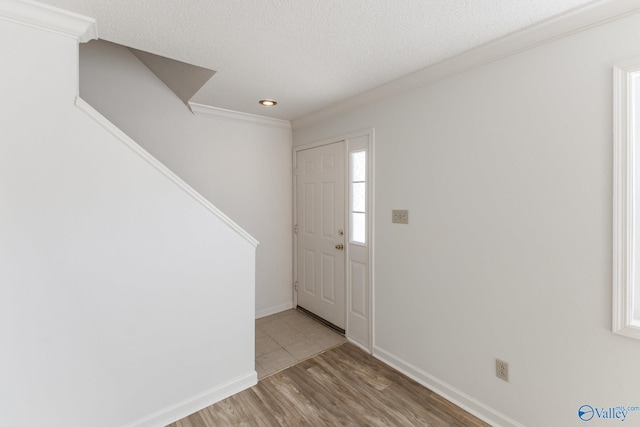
(320, 205)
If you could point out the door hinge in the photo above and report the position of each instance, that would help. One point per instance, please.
(295, 286)
(295, 171)
(295, 229)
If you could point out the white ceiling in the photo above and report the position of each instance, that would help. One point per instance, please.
(307, 54)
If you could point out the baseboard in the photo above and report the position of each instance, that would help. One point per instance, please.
(200, 401)
(273, 310)
(464, 401)
(359, 345)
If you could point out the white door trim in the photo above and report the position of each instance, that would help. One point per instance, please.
(369, 133)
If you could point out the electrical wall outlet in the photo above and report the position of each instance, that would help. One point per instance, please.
(502, 370)
(400, 217)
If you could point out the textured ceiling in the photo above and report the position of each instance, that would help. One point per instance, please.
(307, 54)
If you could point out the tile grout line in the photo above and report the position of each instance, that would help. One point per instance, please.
(292, 322)
(300, 361)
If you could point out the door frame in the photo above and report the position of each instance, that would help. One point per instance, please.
(369, 133)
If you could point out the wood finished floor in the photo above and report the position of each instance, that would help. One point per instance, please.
(343, 386)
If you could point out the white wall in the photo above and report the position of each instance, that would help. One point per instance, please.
(507, 173)
(122, 297)
(243, 168)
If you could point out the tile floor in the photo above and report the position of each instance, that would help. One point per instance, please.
(289, 337)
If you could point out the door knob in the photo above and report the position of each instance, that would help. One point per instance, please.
(340, 246)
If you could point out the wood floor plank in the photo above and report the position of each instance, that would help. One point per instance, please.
(341, 387)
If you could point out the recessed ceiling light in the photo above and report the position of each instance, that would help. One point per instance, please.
(267, 102)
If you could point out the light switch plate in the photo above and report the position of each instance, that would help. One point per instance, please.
(400, 216)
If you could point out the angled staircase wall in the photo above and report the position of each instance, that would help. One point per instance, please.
(126, 298)
(241, 163)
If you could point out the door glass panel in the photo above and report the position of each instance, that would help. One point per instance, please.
(358, 166)
(358, 228)
(358, 196)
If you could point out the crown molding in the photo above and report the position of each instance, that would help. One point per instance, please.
(221, 113)
(49, 18)
(593, 14)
